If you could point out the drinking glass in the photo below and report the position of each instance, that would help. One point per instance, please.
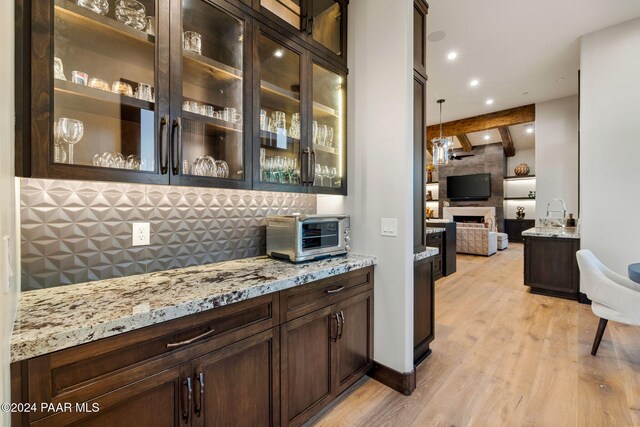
(319, 173)
(71, 132)
(58, 69)
(294, 131)
(192, 41)
(279, 119)
(322, 135)
(264, 120)
(150, 25)
(333, 172)
(131, 13)
(329, 141)
(144, 92)
(314, 132)
(99, 84)
(230, 114)
(122, 88)
(100, 7)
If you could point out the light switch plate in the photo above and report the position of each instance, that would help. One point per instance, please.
(141, 234)
(389, 227)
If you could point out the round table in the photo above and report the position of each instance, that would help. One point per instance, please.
(634, 272)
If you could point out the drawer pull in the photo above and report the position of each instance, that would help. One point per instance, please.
(192, 340)
(334, 291)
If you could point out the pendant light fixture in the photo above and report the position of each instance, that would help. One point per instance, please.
(441, 146)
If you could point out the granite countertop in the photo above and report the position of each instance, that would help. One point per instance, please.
(566, 233)
(53, 319)
(432, 230)
(425, 254)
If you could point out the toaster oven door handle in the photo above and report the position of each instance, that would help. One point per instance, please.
(304, 218)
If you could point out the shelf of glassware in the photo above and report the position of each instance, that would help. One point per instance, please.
(98, 25)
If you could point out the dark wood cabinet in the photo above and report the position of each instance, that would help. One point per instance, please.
(239, 384)
(551, 267)
(515, 227)
(252, 363)
(419, 124)
(325, 352)
(196, 83)
(423, 309)
(448, 249)
(436, 240)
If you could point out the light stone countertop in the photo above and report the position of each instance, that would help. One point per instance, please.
(425, 254)
(550, 232)
(53, 319)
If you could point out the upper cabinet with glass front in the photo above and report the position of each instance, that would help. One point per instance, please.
(322, 23)
(96, 105)
(189, 92)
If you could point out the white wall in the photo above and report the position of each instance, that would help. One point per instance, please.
(557, 154)
(610, 144)
(7, 196)
(380, 113)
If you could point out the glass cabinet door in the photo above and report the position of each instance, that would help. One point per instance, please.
(281, 122)
(287, 10)
(326, 26)
(212, 93)
(103, 88)
(328, 134)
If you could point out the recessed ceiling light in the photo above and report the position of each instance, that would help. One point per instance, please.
(487, 137)
(452, 55)
(474, 83)
(436, 36)
(529, 129)
(278, 53)
(489, 101)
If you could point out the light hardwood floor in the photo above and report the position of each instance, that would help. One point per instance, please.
(505, 357)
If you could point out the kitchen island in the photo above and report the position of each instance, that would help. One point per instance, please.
(550, 264)
(274, 342)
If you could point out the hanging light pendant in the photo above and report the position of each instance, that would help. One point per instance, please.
(441, 146)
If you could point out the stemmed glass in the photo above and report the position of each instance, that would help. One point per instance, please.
(71, 132)
(331, 174)
(320, 173)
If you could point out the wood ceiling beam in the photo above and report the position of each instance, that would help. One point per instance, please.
(513, 116)
(430, 147)
(507, 142)
(464, 142)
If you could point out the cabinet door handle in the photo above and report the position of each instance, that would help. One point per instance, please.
(306, 154)
(310, 26)
(176, 143)
(162, 149)
(187, 397)
(199, 397)
(313, 167)
(341, 324)
(337, 319)
(335, 291)
(192, 340)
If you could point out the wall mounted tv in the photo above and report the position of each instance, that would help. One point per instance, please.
(469, 187)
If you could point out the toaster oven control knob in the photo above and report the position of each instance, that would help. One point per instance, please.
(347, 247)
(347, 235)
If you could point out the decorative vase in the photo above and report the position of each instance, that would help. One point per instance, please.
(429, 195)
(532, 194)
(429, 176)
(522, 169)
(520, 212)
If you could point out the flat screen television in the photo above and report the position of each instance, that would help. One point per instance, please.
(469, 187)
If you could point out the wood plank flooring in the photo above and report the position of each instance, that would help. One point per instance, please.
(505, 357)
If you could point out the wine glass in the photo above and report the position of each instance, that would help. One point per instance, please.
(319, 173)
(333, 172)
(71, 132)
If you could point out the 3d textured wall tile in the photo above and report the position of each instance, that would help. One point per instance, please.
(78, 231)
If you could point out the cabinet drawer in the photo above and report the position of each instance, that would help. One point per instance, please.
(296, 302)
(435, 238)
(86, 371)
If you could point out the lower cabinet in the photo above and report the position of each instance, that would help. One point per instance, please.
(423, 309)
(323, 353)
(551, 266)
(272, 360)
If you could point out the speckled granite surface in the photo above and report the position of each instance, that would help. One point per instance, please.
(57, 318)
(426, 254)
(432, 230)
(547, 232)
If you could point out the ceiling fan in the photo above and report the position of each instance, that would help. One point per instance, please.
(455, 156)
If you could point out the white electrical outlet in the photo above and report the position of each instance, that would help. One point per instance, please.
(141, 234)
(389, 227)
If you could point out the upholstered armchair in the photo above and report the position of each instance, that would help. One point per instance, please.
(614, 297)
(475, 239)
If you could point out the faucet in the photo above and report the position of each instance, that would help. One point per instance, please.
(564, 208)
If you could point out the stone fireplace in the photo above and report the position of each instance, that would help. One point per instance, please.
(483, 213)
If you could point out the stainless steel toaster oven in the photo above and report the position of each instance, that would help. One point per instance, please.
(299, 238)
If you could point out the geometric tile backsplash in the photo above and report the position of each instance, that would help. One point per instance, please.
(78, 231)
